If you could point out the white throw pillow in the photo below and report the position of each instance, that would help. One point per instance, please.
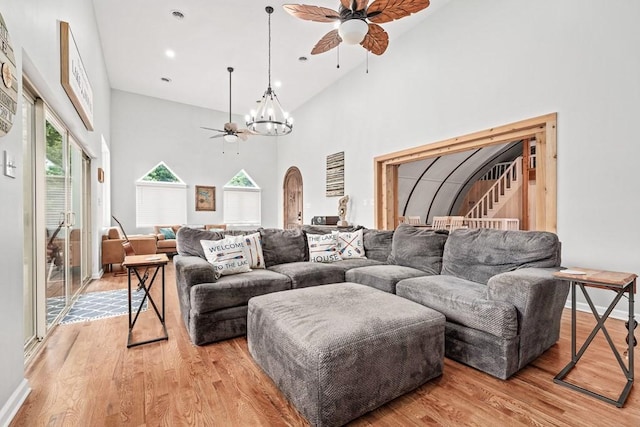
(323, 247)
(228, 255)
(351, 245)
(254, 250)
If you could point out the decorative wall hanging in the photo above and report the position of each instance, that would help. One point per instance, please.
(205, 198)
(335, 174)
(100, 175)
(9, 85)
(74, 77)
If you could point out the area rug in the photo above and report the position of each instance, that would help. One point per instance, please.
(101, 305)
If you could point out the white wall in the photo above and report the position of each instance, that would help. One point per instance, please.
(148, 130)
(34, 29)
(474, 65)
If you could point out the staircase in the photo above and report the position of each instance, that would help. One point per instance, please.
(503, 189)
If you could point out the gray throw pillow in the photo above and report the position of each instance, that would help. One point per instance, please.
(188, 240)
(282, 246)
(377, 244)
(418, 248)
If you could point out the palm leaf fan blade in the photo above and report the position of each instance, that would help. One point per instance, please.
(328, 42)
(382, 11)
(377, 40)
(312, 13)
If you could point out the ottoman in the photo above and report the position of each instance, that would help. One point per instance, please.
(338, 351)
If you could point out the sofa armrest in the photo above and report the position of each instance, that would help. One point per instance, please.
(190, 271)
(539, 299)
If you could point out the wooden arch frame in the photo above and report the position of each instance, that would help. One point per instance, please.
(542, 128)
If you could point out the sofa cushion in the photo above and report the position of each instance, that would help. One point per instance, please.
(188, 241)
(235, 290)
(383, 277)
(479, 254)
(377, 244)
(282, 246)
(351, 245)
(166, 244)
(323, 247)
(305, 274)
(463, 302)
(418, 248)
(348, 264)
(228, 256)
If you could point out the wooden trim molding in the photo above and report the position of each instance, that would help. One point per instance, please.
(542, 128)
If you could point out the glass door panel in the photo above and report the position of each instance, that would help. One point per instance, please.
(75, 217)
(55, 221)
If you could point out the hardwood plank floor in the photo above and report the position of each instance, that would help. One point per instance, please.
(84, 375)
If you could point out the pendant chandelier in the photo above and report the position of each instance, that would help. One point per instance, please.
(269, 119)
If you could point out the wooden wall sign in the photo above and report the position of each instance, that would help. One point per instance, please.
(335, 174)
(9, 84)
(74, 77)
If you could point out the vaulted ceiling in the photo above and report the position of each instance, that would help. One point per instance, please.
(217, 34)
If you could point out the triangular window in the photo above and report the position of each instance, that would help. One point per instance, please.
(242, 180)
(161, 173)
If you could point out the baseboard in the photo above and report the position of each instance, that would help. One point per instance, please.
(615, 314)
(10, 409)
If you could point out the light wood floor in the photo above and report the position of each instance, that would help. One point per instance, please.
(86, 376)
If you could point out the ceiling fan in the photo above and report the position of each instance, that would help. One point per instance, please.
(230, 132)
(352, 17)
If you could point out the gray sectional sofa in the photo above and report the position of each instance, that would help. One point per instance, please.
(495, 288)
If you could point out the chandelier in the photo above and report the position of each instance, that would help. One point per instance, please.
(269, 119)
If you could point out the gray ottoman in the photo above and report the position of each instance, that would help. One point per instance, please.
(338, 351)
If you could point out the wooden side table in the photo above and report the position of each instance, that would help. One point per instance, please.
(150, 263)
(622, 284)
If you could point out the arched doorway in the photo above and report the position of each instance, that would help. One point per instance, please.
(292, 188)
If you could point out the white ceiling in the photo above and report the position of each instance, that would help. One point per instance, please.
(217, 34)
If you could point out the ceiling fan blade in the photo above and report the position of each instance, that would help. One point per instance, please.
(382, 11)
(376, 40)
(217, 136)
(312, 13)
(243, 135)
(217, 130)
(361, 4)
(328, 42)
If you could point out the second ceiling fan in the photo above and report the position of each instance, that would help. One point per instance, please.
(352, 17)
(230, 132)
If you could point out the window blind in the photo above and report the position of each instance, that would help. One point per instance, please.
(160, 203)
(242, 206)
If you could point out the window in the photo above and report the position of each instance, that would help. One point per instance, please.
(242, 201)
(161, 198)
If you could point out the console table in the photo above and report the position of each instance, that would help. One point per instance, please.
(624, 284)
(151, 264)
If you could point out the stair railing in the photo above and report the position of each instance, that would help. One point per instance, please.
(509, 177)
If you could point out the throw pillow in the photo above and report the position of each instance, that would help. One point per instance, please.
(323, 247)
(351, 245)
(227, 255)
(418, 248)
(283, 246)
(254, 250)
(168, 233)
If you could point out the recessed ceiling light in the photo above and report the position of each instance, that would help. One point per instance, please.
(177, 14)
(170, 53)
(166, 79)
(277, 83)
(302, 58)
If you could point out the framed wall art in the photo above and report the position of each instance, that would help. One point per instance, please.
(335, 174)
(74, 76)
(205, 198)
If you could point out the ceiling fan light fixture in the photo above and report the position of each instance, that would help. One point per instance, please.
(269, 118)
(352, 31)
(230, 137)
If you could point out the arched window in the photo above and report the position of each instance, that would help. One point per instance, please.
(161, 198)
